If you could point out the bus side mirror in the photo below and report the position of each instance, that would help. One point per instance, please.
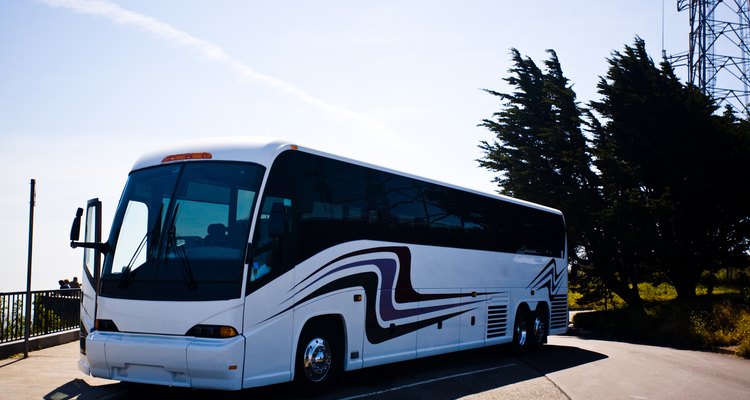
(75, 230)
(277, 220)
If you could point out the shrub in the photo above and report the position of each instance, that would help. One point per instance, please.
(707, 323)
(743, 350)
(742, 335)
(661, 292)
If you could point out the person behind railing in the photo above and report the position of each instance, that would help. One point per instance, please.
(74, 284)
(64, 284)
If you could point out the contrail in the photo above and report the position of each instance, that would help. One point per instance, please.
(165, 31)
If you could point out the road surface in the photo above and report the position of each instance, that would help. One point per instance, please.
(569, 367)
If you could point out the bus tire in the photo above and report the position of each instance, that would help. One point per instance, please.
(521, 329)
(539, 328)
(319, 359)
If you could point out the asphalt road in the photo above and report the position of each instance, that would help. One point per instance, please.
(569, 367)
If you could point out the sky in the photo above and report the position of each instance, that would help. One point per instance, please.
(87, 86)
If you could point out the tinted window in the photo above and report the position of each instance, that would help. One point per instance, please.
(334, 202)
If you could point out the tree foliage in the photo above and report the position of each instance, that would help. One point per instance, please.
(654, 186)
(540, 149)
(674, 166)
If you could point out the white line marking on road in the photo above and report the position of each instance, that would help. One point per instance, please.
(428, 381)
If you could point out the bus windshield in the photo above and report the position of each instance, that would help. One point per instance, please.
(180, 232)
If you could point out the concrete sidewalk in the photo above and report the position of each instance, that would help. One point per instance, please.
(51, 373)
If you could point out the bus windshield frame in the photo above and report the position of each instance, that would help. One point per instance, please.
(180, 232)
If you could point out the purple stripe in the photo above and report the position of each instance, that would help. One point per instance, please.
(387, 268)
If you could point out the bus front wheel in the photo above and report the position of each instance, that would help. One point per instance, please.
(319, 361)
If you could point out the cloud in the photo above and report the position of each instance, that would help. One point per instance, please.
(210, 51)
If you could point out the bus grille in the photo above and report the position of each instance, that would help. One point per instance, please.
(559, 317)
(497, 318)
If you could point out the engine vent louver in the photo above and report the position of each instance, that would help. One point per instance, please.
(559, 314)
(497, 317)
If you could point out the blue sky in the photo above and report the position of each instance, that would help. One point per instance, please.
(87, 86)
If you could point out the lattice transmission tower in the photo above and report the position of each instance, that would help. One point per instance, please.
(718, 56)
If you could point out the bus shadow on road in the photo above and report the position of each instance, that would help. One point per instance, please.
(557, 358)
(459, 375)
(81, 390)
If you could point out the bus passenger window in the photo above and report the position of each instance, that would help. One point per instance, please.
(258, 270)
(265, 250)
(269, 239)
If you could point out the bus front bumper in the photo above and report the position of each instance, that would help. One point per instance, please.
(165, 360)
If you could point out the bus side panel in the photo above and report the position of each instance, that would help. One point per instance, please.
(267, 353)
(442, 336)
(269, 335)
(374, 268)
(354, 322)
(559, 317)
(455, 269)
(394, 346)
(499, 317)
(473, 318)
(549, 285)
(508, 280)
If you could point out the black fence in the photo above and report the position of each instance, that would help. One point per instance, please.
(51, 311)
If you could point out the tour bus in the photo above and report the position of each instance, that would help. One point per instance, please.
(243, 263)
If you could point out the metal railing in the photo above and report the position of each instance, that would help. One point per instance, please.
(51, 311)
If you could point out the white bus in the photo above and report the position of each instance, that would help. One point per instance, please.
(242, 264)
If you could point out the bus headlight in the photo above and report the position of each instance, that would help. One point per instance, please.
(212, 331)
(105, 325)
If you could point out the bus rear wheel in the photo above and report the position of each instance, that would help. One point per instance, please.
(319, 359)
(538, 329)
(521, 329)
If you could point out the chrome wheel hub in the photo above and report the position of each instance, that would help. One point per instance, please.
(521, 332)
(540, 329)
(316, 361)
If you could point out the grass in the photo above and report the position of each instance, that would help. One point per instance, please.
(710, 322)
(650, 293)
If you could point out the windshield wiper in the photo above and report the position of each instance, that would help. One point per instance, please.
(179, 251)
(187, 271)
(125, 278)
(155, 232)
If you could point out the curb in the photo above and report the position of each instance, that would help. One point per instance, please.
(40, 342)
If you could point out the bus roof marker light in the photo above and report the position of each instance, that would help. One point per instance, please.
(187, 156)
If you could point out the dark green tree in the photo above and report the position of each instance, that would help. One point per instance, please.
(672, 171)
(540, 150)
(542, 155)
(659, 192)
